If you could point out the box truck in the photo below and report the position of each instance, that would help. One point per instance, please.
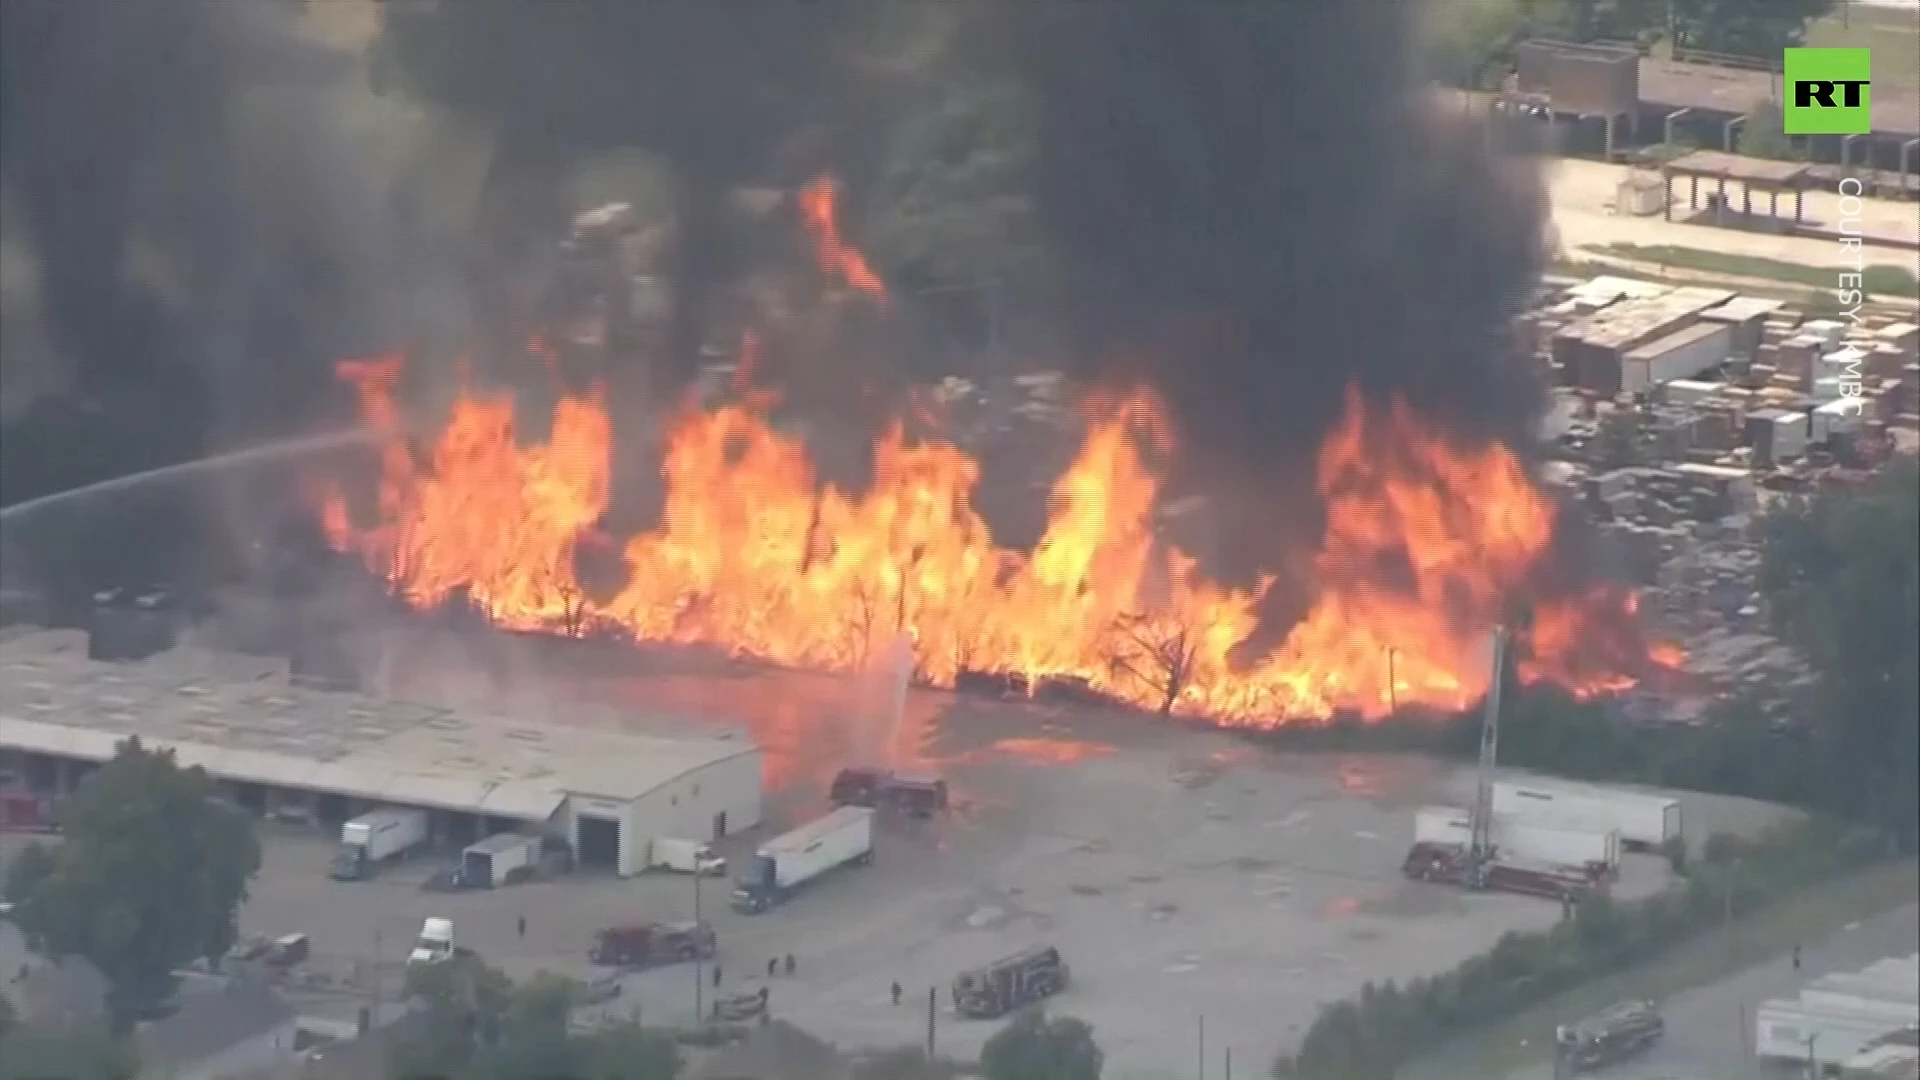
(686, 857)
(376, 837)
(1643, 821)
(499, 860)
(788, 862)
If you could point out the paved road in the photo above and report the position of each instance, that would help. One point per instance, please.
(1710, 1030)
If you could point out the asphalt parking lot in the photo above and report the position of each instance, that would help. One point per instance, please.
(1191, 880)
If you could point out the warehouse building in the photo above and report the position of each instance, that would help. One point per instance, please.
(297, 752)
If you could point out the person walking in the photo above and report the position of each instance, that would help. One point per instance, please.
(773, 966)
(789, 965)
(1796, 958)
(896, 991)
(716, 976)
(523, 927)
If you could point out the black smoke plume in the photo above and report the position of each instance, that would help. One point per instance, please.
(1261, 202)
(205, 239)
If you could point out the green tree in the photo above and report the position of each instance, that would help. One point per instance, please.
(478, 1025)
(466, 1007)
(1756, 28)
(150, 876)
(1841, 573)
(1036, 1046)
(627, 1051)
(1763, 133)
(39, 1052)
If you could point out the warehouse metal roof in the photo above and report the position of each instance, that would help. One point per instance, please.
(241, 718)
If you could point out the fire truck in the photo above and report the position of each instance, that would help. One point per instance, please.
(25, 812)
(883, 789)
(1010, 983)
(647, 944)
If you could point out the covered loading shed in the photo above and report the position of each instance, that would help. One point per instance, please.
(324, 755)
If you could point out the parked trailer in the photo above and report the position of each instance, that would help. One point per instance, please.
(787, 862)
(1596, 850)
(686, 857)
(375, 837)
(499, 860)
(1787, 1031)
(1643, 821)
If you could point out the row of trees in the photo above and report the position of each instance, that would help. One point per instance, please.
(1476, 38)
(1372, 1036)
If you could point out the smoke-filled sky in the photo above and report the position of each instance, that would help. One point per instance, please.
(172, 267)
(1259, 207)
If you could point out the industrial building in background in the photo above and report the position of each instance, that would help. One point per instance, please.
(1861, 1023)
(293, 751)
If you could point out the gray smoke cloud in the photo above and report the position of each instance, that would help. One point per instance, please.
(1260, 205)
(205, 232)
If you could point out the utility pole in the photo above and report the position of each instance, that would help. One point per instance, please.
(933, 1006)
(699, 961)
(373, 1019)
(1202, 1072)
(1228, 1063)
(1482, 824)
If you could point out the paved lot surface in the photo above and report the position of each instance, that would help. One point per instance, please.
(1583, 194)
(1183, 873)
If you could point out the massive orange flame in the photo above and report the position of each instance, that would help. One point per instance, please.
(754, 556)
(1428, 542)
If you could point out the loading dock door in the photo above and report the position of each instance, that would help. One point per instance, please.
(597, 842)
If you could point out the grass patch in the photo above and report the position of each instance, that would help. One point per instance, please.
(1893, 35)
(1877, 280)
(1806, 916)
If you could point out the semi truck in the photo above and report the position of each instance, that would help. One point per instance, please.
(1595, 852)
(499, 860)
(1010, 983)
(1645, 822)
(1609, 1037)
(640, 945)
(1454, 864)
(789, 861)
(686, 857)
(377, 837)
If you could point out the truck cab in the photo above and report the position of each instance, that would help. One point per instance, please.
(435, 943)
(757, 886)
(350, 863)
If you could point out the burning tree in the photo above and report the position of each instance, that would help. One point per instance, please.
(1157, 652)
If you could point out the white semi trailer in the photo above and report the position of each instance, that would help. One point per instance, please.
(789, 861)
(1643, 821)
(1520, 839)
(375, 837)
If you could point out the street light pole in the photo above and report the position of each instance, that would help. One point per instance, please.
(699, 959)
